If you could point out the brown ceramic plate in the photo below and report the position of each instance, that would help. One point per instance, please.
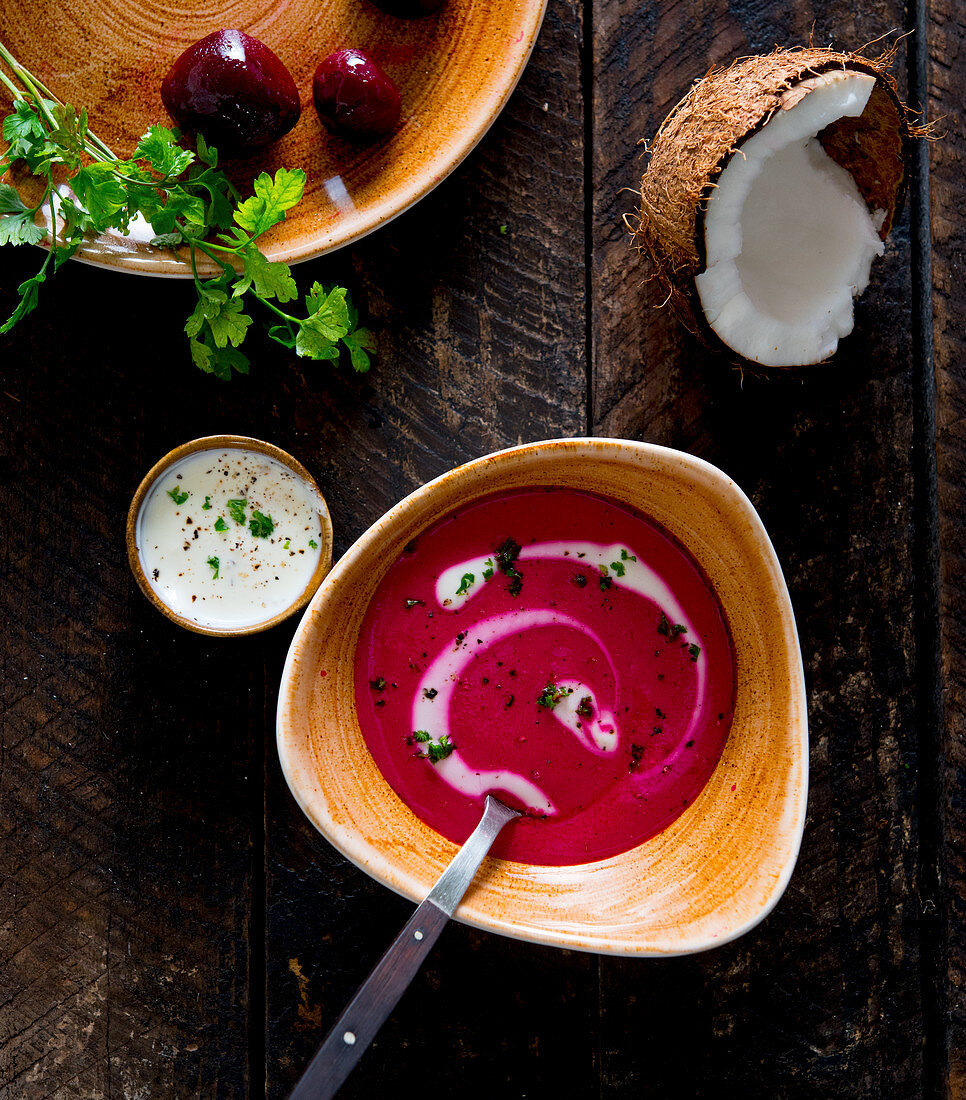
(715, 871)
(455, 70)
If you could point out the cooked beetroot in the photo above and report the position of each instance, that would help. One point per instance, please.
(354, 97)
(234, 90)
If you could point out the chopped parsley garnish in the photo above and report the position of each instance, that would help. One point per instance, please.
(430, 693)
(668, 629)
(488, 570)
(177, 495)
(506, 554)
(415, 603)
(379, 684)
(465, 581)
(694, 650)
(551, 695)
(261, 526)
(286, 544)
(585, 708)
(313, 544)
(627, 557)
(439, 750)
(605, 582)
(236, 509)
(580, 580)
(435, 750)
(220, 524)
(207, 504)
(215, 565)
(619, 568)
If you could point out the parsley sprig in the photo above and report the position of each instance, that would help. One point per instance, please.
(189, 203)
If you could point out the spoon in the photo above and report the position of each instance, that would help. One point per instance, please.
(380, 992)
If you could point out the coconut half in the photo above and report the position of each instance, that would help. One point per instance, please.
(769, 192)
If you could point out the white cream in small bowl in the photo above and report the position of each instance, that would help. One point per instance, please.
(229, 535)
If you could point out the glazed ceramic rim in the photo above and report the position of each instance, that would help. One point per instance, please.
(242, 443)
(355, 846)
(113, 250)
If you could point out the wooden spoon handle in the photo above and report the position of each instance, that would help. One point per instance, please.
(380, 992)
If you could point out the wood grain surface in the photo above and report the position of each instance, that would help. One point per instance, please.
(945, 74)
(172, 926)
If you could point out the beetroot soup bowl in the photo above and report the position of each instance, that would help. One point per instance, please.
(710, 875)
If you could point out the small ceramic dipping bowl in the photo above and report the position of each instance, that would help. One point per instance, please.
(710, 876)
(175, 491)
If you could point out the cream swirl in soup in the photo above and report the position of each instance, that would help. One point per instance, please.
(558, 650)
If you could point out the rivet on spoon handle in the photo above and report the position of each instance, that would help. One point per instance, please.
(380, 993)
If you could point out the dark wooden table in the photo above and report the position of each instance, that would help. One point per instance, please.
(170, 924)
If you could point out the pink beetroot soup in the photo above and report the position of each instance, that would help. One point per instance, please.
(557, 649)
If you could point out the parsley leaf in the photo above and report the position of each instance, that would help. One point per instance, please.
(217, 361)
(18, 227)
(215, 565)
(236, 509)
(313, 544)
(551, 695)
(327, 323)
(271, 199)
(207, 505)
(29, 296)
(270, 279)
(177, 495)
(440, 749)
(465, 581)
(421, 735)
(261, 526)
(361, 344)
(22, 129)
(220, 524)
(158, 146)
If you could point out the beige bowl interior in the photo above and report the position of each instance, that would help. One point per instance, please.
(718, 869)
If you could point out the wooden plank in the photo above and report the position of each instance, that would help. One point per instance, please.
(126, 760)
(946, 74)
(482, 336)
(824, 998)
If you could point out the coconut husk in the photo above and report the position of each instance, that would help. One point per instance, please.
(698, 138)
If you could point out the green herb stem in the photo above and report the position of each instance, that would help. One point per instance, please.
(184, 208)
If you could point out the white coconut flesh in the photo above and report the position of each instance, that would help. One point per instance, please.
(789, 240)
